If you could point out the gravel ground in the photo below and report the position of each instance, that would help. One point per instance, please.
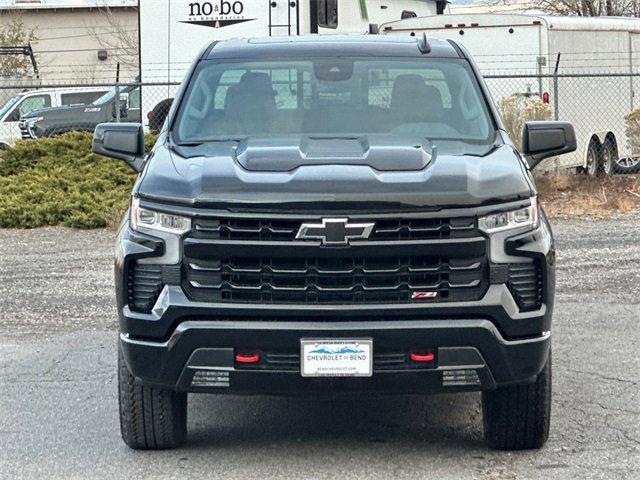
(58, 410)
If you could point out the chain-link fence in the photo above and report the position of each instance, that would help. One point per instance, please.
(601, 106)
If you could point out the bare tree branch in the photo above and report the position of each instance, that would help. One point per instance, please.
(119, 39)
(13, 33)
(582, 8)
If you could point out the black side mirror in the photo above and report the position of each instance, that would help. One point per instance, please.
(544, 139)
(374, 29)
(123, 141)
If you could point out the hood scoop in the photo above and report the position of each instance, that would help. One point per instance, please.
(384, 153)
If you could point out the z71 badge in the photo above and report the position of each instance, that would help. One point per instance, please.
(424, 295)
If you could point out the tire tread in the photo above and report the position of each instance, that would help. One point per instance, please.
(150, 418)
(518, 417)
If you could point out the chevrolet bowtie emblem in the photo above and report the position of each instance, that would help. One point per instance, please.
(334, 231)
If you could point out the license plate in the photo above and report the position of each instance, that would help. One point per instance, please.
(336, 358)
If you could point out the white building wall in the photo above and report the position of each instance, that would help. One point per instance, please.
(67, 46)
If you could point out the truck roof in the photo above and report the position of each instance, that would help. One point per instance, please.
(40, 91)
(329, 45)
(469, 20)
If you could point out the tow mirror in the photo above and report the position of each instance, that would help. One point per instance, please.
(544, 139)
(122, 141)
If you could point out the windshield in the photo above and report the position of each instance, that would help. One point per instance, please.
(110, 95)
(436, 99)
(105, 98)
(9, 104)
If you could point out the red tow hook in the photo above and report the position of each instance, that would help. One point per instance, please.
(422, 357)
(247, 357)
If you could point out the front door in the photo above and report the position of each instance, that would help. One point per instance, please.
(283, 17)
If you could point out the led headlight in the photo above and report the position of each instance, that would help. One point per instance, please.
(159, 221)
(522, 217)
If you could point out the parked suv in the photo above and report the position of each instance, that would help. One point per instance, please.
(323, 215)
(84, 117)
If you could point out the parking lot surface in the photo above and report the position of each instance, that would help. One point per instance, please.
(59, 415)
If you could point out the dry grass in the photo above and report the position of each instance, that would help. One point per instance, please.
(580, 195)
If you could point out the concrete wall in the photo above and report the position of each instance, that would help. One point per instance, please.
(69, 40)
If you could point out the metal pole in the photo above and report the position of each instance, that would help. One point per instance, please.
(632, 93)
(117, 98)
(556, 110)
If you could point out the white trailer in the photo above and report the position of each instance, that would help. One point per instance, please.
(504, 44)
(173, 31)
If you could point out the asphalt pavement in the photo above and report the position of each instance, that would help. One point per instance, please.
(58, 406)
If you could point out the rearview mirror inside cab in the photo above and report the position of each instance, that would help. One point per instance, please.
(546, 139)
(122, 141)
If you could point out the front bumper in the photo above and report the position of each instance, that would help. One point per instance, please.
(478, 344)
(470, 355)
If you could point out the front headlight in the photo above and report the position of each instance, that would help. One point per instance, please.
(30, 122)
(522, 217)
(152, 220)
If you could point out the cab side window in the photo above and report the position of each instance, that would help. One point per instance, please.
(30, 103)
(80, 98)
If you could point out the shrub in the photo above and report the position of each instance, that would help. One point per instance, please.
(60, 181)
(518, 109)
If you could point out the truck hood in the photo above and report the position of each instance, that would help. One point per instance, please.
(358, 175)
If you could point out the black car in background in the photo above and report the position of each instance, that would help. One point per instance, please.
(53, 121)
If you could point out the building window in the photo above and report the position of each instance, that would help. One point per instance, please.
(328, 13)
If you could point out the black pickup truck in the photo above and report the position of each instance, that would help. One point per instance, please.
(53, 121)
(324, 215)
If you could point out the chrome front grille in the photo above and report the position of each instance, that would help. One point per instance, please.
(286, 230)
(249, 260)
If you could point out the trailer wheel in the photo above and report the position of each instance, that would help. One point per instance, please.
(608, 157)
(628, 165)
(593, 159)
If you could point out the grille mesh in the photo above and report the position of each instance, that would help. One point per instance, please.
(317, 280)
(144, 286)
(525, 284)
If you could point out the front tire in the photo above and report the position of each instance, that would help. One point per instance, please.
(517, 417)
(150, 418)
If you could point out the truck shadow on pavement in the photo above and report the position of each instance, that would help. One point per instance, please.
(233, 421)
